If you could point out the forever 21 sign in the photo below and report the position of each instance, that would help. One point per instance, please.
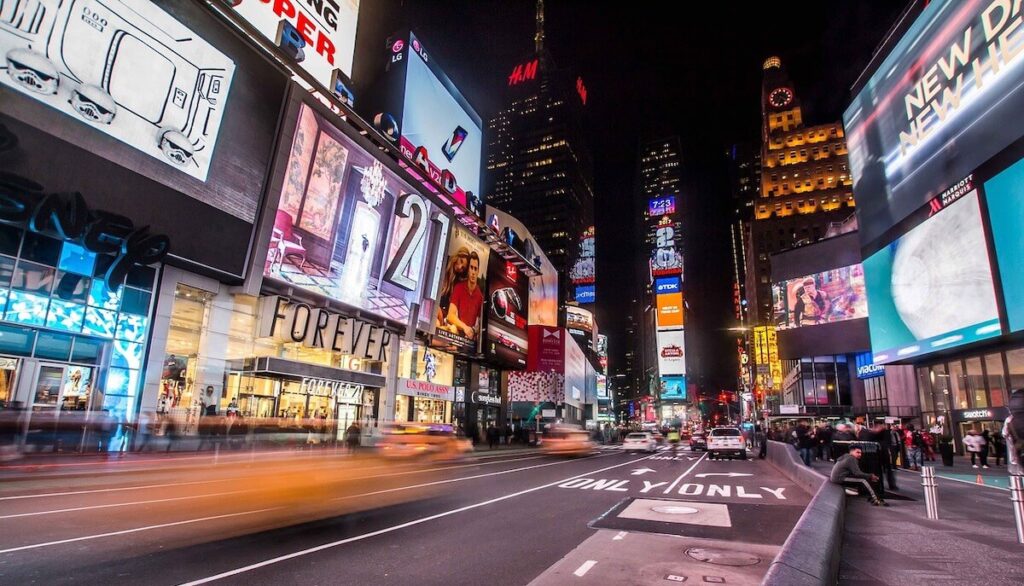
(317, 327)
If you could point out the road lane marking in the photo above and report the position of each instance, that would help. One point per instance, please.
(728, 474)
(450, 480)
(386, 530)
(90, 507)
(619, 536)
(127, 531)
(583, 569)
(683, 475)
(92, 491)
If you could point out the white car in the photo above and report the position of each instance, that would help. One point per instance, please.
(726, 441)
(640, 441)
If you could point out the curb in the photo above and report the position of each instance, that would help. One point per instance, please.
(811, 553)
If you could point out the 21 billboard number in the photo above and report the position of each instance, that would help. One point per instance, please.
(411, 205)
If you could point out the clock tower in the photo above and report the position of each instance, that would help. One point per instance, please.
(780, 107)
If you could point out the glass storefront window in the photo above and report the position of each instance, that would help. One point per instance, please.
(958, 385)
(996, 379)
(976, 383)
(940, 387)
(432, 411)
(1015, 363)
(418, 362)
(402, 408)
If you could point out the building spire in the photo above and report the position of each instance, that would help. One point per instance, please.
(538, 39)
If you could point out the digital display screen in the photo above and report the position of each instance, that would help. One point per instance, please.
(575, 372)
(461, 302)
(586, 293)
(673, 388)
(661, 206)
(670, 310)
(671, 352)
(946, 98)
(578, 318)
(583, 273)
(932, 288)
(822, 298)
(436, 117)
(507, 318)
(544, 288)
(1005, 196)
(348, 228)
(667, 285)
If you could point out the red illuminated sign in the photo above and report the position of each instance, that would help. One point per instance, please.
(581, 90)
(523, 72)
(511, 273)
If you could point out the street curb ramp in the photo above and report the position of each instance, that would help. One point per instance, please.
(810, 554)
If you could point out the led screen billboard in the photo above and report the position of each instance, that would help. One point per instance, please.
(583, 273)
(673, 388)
(932, 288)
(822, 298)
(128, 70)
(660, 206)
(461, 302)
(667, 285)
(575, 373)
(671, 352)
(348, 228)
(543, 304)
(666, 258)
(946, 98)
(507, 317)
(439, 129)
(670, 310)
(1005, 196)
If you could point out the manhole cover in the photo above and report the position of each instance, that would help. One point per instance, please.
(722, 557)
(675, 510)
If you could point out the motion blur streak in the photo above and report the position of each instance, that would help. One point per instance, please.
(412, 523)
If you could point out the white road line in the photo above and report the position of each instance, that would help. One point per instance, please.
(992, 486)
(450, 480)
(620, 536)
(683, 475)
(166, 500)
(127, 531)
(583, 569)
(412, 523)
(72, 492)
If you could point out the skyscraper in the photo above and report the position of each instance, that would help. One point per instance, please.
(539, 167)
(805, 184)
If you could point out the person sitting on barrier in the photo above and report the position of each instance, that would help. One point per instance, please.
(847, 472)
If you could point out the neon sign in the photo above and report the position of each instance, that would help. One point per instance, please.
(523, 72)
(581, 90)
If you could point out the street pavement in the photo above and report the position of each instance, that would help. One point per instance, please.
(501, 518)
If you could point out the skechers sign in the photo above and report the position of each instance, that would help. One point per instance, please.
(317, 327)
(318, 35)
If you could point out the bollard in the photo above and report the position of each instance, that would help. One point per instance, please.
(1017, 498)
(931, 499)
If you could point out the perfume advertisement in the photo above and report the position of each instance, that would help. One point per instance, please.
(346, 227)
(507, 316)
(461, 302)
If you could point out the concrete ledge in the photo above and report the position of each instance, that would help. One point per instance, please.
(810, 554)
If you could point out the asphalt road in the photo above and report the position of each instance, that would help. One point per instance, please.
(504, 518)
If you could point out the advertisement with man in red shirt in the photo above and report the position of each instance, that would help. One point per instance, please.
(461, 298)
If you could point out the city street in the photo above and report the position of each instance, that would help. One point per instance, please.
(503, 518)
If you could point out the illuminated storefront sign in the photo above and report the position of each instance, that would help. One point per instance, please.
(317, 327)
(425, 390)
(866, 368)
(766, 357)
(523, 72)
(343, 392)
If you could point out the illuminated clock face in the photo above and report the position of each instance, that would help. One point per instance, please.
(780, 97)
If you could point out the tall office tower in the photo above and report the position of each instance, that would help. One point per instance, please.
(539, 167)
(744, 161)
(805, 184)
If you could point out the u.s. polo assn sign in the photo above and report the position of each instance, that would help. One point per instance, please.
(317, 327)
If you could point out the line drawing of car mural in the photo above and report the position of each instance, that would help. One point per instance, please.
(125, 66)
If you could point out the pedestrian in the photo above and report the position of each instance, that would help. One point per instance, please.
(825, 443)
(985, 447)
(105, 425)
(492, 436)
(895, 442)
(1013, 432)
(914, 442)
(847, 472)
(998, 445)
(972, 442)
(884, 438)
(352, 437)
(145, 426)
(929, 445)
(805, 441)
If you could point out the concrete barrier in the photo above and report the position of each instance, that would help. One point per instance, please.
(811, 553)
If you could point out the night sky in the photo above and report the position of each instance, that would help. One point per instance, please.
(650, 74)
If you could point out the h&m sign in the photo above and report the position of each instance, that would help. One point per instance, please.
(318, 327)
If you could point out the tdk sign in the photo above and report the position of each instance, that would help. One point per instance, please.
(670, 285)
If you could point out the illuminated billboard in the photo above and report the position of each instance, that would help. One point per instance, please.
(602, 386)
(583, 271)
(670, 310)
(1005, 196)
(822, 298)
(932, 289)
(319, 37)
(667, 285)
(440, 132)
(946, 97)
(126, 69)
(661, 206)
(671, 352)
(461, 301)
(348, 228)
(666, 258)
(579, 321)
(543, 295)
(766, 358)
(507, 317)
(673, 388)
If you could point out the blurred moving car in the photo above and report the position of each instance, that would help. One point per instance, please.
(726, 441)
(421, 440)
(567, 441)
(698, 441)
(638, 441)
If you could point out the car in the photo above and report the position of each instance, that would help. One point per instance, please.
(726, 441)
(640, 441)
(698, 441)
(567, 441)
(423, 441)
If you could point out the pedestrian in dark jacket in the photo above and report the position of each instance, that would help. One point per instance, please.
(805, 442)
(492, 436)
(847, 472)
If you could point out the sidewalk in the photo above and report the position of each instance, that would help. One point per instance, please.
(973, 542)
